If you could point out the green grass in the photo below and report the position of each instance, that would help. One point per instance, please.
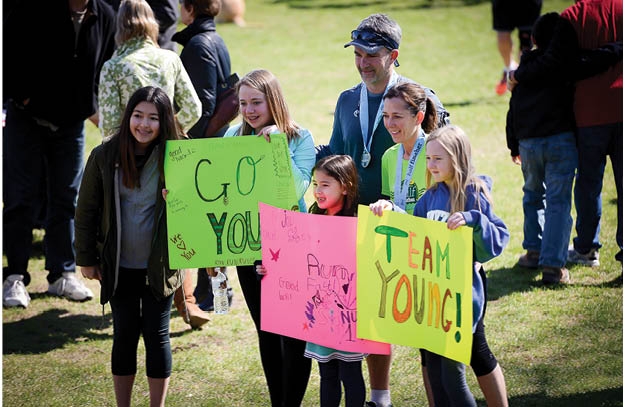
(557, 346)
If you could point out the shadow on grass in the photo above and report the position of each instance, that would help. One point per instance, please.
(51, 330)
(346, 4)
(174, 314)
(615, 283)
(607, 398)
(504, 281)
(187, 330)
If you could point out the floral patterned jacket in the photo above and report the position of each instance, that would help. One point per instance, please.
(138, 63)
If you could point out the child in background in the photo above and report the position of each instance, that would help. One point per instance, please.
(457, 196)
(335, 189)
(539, 138)
(540, 134)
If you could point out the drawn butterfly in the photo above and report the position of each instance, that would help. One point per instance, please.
(275, 256)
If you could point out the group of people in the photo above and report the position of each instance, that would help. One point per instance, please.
(123, 51)
(565, 115)
(392, 147)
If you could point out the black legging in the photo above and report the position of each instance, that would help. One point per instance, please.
(286, 369)
(483, 360)
(335, 372)
(135, 311)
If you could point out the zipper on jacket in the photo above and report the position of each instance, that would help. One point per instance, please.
(118, 226)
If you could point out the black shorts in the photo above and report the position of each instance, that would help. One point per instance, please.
(511, 14)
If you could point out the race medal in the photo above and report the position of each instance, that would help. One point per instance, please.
(366, 158)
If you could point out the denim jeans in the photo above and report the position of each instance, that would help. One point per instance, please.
(36, 155)
(594, 145)
(548, 167)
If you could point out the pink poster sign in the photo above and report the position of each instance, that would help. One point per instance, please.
(309, 291)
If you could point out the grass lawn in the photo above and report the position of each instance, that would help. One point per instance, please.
(557, 346)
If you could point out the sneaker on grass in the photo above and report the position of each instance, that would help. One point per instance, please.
(587, 259)
(555, 275)
(529, 260)
(14, 292)
(69, 286)
(501, 86)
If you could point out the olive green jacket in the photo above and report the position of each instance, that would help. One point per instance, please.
(97, 226)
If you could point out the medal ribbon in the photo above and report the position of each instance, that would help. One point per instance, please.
(364, 112)
(400, 191)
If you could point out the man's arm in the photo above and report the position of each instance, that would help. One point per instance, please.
(595, 61)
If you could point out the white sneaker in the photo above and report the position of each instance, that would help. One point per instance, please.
(14, 292)
(69, 286)
(587, 259)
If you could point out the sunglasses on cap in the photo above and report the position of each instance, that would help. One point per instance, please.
(373, 40)
(374, 37)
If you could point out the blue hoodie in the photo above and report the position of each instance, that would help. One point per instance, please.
(489, 231)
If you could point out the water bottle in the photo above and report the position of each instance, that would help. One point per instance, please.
(219, 289)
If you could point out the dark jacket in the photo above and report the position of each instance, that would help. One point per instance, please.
(167, 15)
(203, 51)
(43, 64)
(586, 25)
(543, 104)
(97, 220)
(539, 109)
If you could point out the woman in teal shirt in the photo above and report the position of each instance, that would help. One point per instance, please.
(264, 112)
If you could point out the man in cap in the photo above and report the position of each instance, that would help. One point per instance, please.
(359, 132)
(358, 129)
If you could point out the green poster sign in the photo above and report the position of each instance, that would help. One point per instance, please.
(214, 186)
